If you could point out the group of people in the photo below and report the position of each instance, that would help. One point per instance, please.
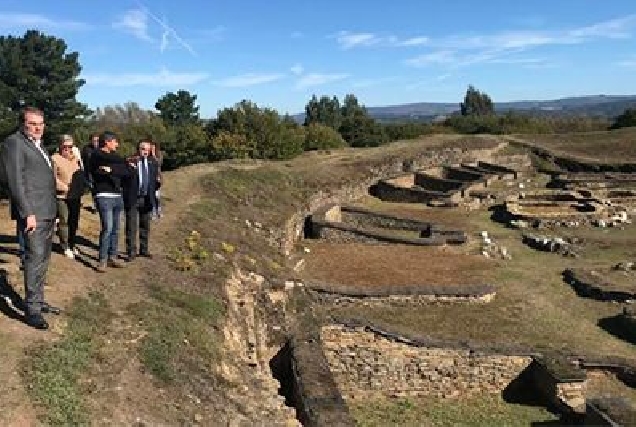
(45, 195)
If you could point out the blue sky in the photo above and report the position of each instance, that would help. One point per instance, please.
(279, 53)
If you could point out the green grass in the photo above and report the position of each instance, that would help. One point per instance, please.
(180, 332)
(52, 371)
(478, 411)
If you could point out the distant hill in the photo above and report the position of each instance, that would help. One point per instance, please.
(593, 105)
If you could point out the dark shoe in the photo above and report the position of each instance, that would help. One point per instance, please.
(48, 308)
(145, 255)
(129, 258)
(114, 263)
(37, 321)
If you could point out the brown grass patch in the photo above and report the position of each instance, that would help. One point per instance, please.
(603, 146)
(378, 265)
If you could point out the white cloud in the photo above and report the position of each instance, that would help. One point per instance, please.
(413, 41)
(628, 62)
(28, 20)
(618, 28)
(317, 79)
(169, 33)
(362, 83)
(297, 35)
(250, 79)
(297, 69)
(457, 51)
(134, 22)
(163, 78)
(443, 57)
(349, 40)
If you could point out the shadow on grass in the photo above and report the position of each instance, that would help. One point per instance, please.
(10, 300)
(500, 215)
(619, 327)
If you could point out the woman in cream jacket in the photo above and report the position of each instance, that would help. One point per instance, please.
(69, 180)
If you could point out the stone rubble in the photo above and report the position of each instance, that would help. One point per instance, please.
(566, 247)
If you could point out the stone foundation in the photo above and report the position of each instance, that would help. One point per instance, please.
(366, 365)
(342, 224)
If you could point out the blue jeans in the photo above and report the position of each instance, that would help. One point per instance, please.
(109, 211)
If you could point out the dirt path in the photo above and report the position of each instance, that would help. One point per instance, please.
(69, 278)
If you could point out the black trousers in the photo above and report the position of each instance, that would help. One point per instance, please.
(36, 263)
(138, 222)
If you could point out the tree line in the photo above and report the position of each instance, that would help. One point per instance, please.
(37, 70)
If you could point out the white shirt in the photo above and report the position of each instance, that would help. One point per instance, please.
(38, 144)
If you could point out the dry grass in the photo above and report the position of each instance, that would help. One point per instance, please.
(603, 146)
(394, 265)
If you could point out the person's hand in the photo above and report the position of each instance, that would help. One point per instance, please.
(105, 169)
(31, 223)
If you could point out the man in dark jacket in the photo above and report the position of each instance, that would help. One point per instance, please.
(108, 169)
(139, 191)
(87, 154)
(29, 176)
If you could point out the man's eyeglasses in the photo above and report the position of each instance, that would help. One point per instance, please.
(35, 123)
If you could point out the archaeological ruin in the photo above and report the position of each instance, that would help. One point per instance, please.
(327, 366)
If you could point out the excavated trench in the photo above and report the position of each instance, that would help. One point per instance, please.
(253, 361)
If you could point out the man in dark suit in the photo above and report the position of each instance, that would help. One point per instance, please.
(29, 176)
(139, 190)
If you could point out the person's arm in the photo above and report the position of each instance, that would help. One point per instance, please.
(13, 159)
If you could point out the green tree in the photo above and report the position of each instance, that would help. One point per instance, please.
(36, 70)
(358, 128)
(627, 119)
(185, 145)
(325, 111)
(476, 103)
(178, 109)
(227, 145)
(322, 137)
(267, 134)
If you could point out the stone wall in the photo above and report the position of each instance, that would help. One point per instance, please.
(340, 233)
(388, 192)
(293, 229)
(433, 183)
(342, 224)
(462, 174)
(365, 218)
(317, 398)
(406, 295)
(366, 365)
(503, 171)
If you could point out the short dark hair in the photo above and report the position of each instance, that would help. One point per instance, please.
(27, 110)
(105, 137)
(93, 135)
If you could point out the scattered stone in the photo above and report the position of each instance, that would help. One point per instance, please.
(625, 266)
(300, 265)
(519, 223)
(551, 244)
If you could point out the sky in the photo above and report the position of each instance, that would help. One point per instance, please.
(279, 53)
